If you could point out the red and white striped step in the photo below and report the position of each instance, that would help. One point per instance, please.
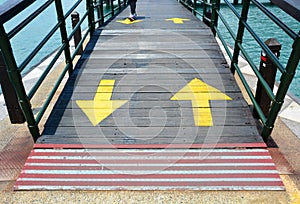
(149, 169)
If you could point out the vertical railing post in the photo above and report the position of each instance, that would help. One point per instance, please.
(285, 82)
(240, 34)
(206, 18)
(194, 7)
(119, 5)
(112, 7)
(235, 2)
(268, 71)
(77, 35)
(91, 16)
(98, 8)
(16, 80)
(64, 36)
(204, 10)
(15, 113)
(214, 15)
(101, 13)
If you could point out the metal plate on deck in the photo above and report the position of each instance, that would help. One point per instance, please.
(149, 169)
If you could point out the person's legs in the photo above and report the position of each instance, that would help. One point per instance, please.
(132, 4)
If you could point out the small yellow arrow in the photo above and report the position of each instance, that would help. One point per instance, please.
(178, 20)
(127, 21)
(200, 94)
(102, 105)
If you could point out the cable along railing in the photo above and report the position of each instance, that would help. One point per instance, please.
(94, 13)
(210, 12)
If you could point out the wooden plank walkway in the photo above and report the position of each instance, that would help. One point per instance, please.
(161, 79)
(151, 106)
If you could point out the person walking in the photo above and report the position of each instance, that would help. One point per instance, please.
(132, 4)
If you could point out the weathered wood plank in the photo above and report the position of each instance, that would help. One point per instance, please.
(140, 132)
(60, 139)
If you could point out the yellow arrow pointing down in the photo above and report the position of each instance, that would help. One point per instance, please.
(200, 94)
(102, 105)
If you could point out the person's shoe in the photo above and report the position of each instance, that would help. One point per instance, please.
(132, 17)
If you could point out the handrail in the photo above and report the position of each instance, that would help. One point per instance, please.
(287, 71)
(15, 71)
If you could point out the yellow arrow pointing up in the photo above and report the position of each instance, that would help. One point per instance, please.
(178, 20)
(102, 105)
(200, 94)
(127, 21)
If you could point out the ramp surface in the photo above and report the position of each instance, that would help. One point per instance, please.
(151, 105)
(149, 169)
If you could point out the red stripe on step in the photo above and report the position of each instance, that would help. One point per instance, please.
(146, 176)
(148, 161)
(149, 168)
(135, 183)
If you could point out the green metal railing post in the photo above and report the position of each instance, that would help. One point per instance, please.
(119, 5)
(101, 13)
(14, 110)
(91, 16)
(285, 82)
(16, 79)
(204, 10)
(240, 33)
(195, 7)
(64, 36)
(214, 15)
(99, 8)
(112, 7)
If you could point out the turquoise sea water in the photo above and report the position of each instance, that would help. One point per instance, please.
(265, 29)
(24, 42)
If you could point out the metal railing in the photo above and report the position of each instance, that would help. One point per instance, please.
(15, 72)
(212, 14)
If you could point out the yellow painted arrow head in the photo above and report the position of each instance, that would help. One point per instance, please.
(102, 106)
(128, 21)
(200, 94)
(178, 20)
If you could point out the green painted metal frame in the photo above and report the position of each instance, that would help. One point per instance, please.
(15, 72)
(288, 71)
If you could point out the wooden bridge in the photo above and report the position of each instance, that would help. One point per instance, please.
(151, 105)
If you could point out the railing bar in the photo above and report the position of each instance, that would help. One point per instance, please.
(199, 13)
(52, 93)
(206, 3)
(273, 58)
(38, 48)
(18, 84)
(63, 33)
(276, 20)
(257, 73)
(68, 13)
(45, 73)
(250, 94)
(224, 43)
(232, 8)
(80, 44)
(77, 26)
(19, 27)
(226, 25)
